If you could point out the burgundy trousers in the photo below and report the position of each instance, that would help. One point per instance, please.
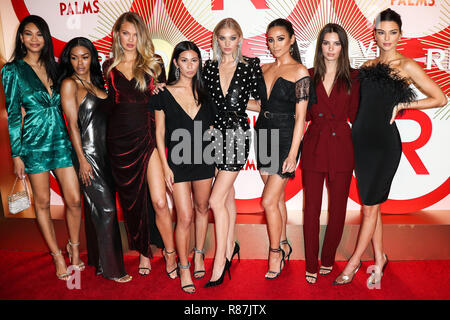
(338, 190)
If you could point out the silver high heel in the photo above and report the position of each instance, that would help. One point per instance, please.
(62, 276)
(373, 279)
(347, 278)
(79, 266)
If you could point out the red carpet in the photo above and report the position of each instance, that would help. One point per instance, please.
(31, 275)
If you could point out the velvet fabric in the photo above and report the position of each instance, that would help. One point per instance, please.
(131, 141)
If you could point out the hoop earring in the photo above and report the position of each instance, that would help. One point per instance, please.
(177, 73)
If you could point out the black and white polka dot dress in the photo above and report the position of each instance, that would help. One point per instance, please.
(231, 120)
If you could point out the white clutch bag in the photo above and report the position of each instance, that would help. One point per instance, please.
(19, 201)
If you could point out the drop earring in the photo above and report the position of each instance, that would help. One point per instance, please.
(23, 48)
(177, 73)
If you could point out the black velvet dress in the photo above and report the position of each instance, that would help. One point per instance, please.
(231, 120)
(184, 138)
(102, 229)
(274, 128)
(131, 141)
(377, 144)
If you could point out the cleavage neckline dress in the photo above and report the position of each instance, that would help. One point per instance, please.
(131, 141)
(231, 119)
(177, 118)
(103, 238)
(43, 142)
(278, 116)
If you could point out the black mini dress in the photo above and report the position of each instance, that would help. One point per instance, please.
(186, 138)
(231, 120)
(274, 128)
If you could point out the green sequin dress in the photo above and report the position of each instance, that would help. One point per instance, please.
(43, 143)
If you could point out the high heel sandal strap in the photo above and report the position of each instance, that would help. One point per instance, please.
(199, 251)
(56, 254)
(275, 250)
(284, 242)
(184, 267)
(167, 252)
(73, 244)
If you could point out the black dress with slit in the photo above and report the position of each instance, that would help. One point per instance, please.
(185, 138)
(377, 144)
(274, 128)
(103, 239)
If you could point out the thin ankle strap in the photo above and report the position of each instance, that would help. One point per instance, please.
(284, 242)
(184, 267)
(167, 252)
(199, 251)
(275, 250)
(73, 244)
(56, 254)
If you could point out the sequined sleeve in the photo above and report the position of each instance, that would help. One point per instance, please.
(302, 88)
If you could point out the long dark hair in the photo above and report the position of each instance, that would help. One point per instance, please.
(47, 56)
(198, 88)
(66, 68)
(295, 53)
(343, 63)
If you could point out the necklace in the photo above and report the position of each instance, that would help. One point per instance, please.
(82, 82)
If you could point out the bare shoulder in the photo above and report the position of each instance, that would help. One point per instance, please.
(68, 85)
(267, 66)
(409, 65)
(302, 71)
(369, 63)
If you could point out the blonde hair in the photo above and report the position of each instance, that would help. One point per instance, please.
(146, 61)
(231, 24)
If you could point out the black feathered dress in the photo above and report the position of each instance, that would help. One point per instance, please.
(377, 144)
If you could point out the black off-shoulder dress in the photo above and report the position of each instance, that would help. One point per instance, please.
(377, 144)
(274, 128)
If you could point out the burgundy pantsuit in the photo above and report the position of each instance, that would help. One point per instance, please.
(327, 155)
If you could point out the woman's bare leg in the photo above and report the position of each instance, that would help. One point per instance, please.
(163, 219)
(183, 205)
(270, 202)
(68, 180)
(40, 186)
(201, 193)
(366, 232)
(222, 186)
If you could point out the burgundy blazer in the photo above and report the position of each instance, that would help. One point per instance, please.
(327, 144)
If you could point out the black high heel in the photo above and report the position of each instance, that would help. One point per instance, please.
(219, 281)
(202, 272)
(191, 285)
(236, 250)
(290, 248)
(276, 274)
(169, 273)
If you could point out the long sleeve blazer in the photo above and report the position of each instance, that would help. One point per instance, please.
(327, 144)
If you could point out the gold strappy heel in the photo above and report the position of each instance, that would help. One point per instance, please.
(62, 276)
(79, 266)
